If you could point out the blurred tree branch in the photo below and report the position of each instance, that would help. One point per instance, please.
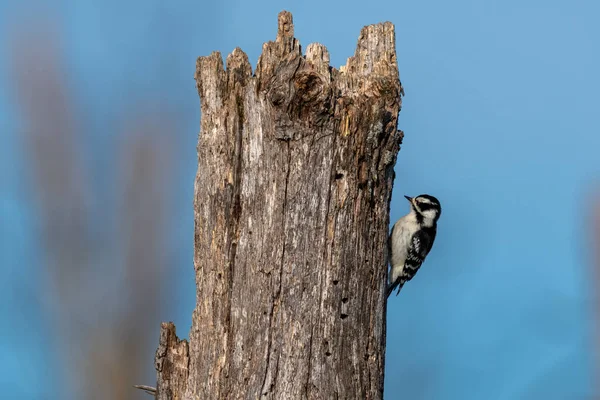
(103, 232)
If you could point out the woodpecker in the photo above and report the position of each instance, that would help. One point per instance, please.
(411, 239)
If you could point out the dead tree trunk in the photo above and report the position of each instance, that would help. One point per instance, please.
(292, 193)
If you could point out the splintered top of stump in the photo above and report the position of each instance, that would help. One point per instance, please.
(373, 59)
(376, 45)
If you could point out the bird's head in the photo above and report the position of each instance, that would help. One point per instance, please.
(426, 207)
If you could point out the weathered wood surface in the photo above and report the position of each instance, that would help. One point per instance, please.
(292, 193)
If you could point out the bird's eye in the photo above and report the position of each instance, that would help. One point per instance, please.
(426, 206)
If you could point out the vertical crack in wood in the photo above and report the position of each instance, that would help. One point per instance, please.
(309, 360)
(233, 230)
(277, 293)
(325, 249)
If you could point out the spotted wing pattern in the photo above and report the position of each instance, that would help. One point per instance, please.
(420, 245)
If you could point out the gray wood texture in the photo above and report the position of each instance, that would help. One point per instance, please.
(291, 209)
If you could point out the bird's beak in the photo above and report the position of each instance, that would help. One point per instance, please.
(409, 198)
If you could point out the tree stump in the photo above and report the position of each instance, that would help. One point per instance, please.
(291, 208)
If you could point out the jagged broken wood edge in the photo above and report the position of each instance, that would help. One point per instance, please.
(374, 60)
(372, 70)
(171, 362)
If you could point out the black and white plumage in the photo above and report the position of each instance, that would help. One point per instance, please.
(411, 239)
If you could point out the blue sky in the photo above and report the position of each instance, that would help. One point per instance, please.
(500, 121)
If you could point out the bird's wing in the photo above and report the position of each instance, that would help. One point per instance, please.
(421, 244)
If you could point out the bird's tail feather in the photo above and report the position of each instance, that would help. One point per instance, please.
(392, 287)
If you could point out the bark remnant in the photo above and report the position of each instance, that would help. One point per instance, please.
(171, 363)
